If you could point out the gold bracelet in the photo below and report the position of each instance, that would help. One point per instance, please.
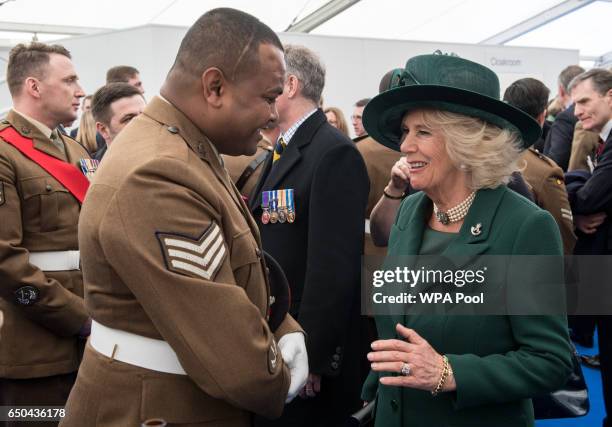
(389, 196)
(445, 372)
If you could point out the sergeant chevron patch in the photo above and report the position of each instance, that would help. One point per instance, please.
(200, 258)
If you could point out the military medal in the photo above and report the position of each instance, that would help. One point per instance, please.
(89, 167)
(282, 208)
(290, 205)
(273, 207)
(265, 200)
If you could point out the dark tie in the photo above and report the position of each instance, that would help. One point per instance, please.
(278, 149)
(600, 148)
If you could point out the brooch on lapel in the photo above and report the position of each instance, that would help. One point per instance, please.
(476, 229)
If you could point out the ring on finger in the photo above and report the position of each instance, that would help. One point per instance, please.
(405, 371)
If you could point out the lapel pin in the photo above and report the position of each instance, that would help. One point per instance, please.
(476, 229)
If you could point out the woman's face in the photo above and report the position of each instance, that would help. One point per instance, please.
(431, 170)
(331, 118)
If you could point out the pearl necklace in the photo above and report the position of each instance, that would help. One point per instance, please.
(456, 213)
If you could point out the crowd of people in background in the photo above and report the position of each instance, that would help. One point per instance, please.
(225, 168)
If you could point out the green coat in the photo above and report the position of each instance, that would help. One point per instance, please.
(499, 362)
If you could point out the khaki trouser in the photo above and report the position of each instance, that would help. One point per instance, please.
(48, 391)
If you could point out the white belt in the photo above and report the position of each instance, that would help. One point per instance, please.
(148, 353)
(56, 260)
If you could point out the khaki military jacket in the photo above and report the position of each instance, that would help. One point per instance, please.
(236, 165)
(37, 214)
(170, 252)
(584, 144)
(546, 182)
(378, 160)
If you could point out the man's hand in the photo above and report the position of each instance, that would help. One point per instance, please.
(293, 350)
(588, 223)
(312, 387)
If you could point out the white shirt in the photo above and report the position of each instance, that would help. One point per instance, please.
(605, 132)
(288, 134)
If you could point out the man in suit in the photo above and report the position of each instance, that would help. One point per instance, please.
(558, 144)
(544, 177)
(319, 242)
(114, 106)
(357, 120)
(41, 190)
(592, 203)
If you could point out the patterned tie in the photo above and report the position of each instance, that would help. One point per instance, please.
(278, 149)
(600, 147)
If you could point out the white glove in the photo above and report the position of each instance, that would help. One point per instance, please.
(293, 350)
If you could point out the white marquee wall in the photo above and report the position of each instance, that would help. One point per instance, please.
(354, 65)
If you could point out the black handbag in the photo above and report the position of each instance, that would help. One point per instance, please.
(364, 417)
(570, 401)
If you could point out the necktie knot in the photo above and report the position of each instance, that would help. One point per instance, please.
(278, 149)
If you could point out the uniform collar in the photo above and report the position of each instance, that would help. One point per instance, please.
(40, 136)
(163, 111)
(44, 129)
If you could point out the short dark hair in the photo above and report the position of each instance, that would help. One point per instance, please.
(29, 60)
(568, 74)
(106, 95)
(225, 38)
(529, 95)
(121, 73)
(362, 102)
(600, 78)
(390, 79)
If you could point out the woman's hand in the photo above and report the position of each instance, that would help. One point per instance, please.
(424, 363)
(400, 177)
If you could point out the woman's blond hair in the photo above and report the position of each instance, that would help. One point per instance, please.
(487, 153)
(86, 135)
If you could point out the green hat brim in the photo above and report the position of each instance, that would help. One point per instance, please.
(383, 115)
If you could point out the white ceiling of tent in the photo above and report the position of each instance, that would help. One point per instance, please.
(463, 21)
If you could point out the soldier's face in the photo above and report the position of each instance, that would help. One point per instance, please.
(123, 111)
(60, 92)
(591, 108)
(251, 103)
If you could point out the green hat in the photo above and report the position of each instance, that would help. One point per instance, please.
(448, 83)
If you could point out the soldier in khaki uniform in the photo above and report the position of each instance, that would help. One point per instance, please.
(41, 287)
(378, 160)
(584, 145)
(174, 276)
(545, 179)
(543, 175)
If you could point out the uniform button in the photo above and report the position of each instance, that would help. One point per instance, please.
(339, 350)
(258, 252)
(173, 129)
(48, 187)
(394, 405)
(336, 357)
(334, 365)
